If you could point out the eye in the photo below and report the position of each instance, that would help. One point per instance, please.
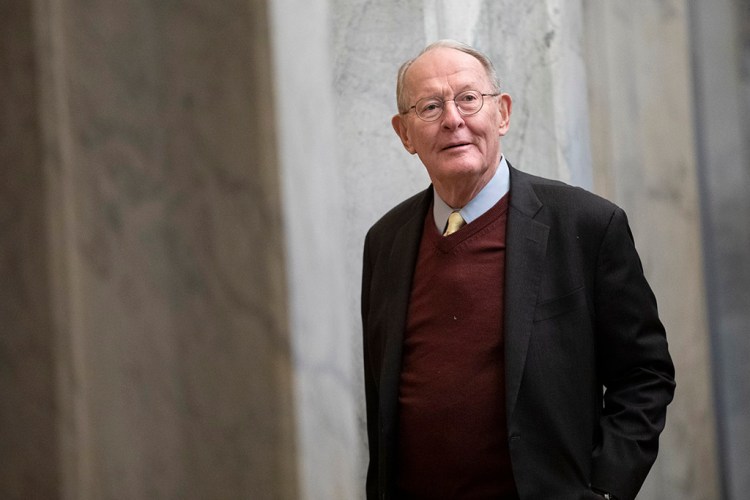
(429, 105)
(468, 97)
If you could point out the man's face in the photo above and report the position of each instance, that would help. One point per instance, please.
(456, 150)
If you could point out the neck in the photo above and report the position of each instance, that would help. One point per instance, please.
(459, 192)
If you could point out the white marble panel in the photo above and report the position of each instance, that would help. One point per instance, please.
(450, 19)
(310, 137)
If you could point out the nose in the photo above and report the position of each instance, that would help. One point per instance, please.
(451, 117)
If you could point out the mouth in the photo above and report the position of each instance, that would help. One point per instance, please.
(456, 145)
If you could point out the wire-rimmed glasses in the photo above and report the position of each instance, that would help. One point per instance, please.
(468, 103)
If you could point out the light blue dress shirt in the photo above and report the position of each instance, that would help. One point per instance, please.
(483, 201)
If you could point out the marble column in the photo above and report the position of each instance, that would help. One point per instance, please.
(28, 413)
(643, 144)
(165, 250)
(721, 58)
(310, 137)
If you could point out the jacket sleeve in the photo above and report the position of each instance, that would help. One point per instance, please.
(634, 366)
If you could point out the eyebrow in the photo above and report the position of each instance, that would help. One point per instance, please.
(460, 89)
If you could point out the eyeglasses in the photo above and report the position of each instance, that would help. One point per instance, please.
(468, 103)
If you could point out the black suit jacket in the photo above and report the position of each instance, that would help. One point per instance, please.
(579, 317)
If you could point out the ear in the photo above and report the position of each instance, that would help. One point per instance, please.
(505, 105)
(399, 125)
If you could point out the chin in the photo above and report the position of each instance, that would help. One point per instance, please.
(462, 169)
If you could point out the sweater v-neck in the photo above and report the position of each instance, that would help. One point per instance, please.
(453, 242)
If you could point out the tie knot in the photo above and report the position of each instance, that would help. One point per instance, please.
(455, 222)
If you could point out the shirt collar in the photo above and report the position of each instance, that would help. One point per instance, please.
(483, 201)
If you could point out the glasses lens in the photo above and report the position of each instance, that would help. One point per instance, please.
(469, 102)
(429, 108)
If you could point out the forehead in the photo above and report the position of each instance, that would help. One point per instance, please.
(443, 68)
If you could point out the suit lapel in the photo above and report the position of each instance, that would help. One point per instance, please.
(526, 245)
(401, 263)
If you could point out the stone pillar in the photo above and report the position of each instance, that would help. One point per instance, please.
(28, 413)
(315, 207)
(721, 58)
(638, 57)
(155, 289)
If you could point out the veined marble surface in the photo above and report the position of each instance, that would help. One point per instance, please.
(166, 249)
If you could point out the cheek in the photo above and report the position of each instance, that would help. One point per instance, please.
(489, 137)
(422, 143)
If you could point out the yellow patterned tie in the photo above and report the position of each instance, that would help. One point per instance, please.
(455, 222)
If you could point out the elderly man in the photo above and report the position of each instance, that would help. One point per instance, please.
(512, 346)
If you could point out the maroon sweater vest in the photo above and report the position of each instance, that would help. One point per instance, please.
(452, 424)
